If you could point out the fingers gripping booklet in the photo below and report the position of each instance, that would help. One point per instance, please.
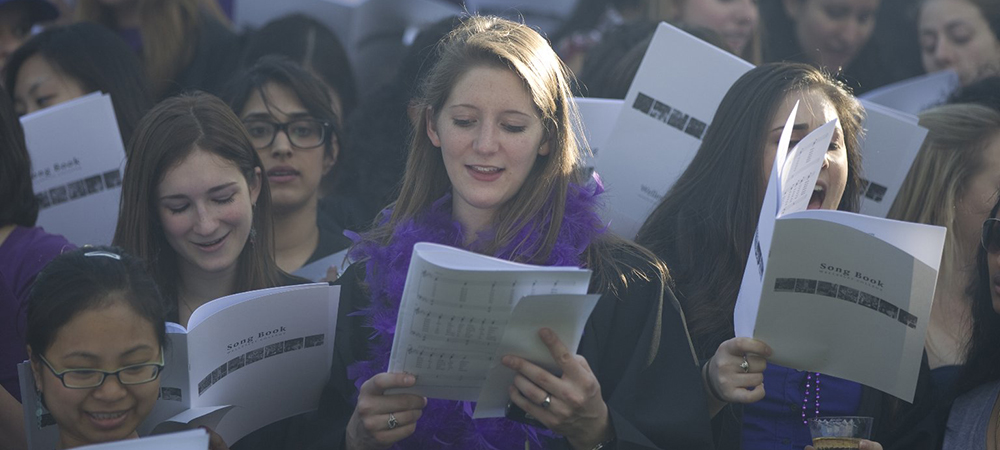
(835, 292)
(245, 361)
(461, 312)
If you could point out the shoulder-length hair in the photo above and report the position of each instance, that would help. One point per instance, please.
(165, 137)
(982, 351)
(169, 31)
(309, 90)
(98, 59)
(19, 206)
(951, 155)
(705, 224)
(496, 42)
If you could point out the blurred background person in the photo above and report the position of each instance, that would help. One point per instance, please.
(962, 35)
(17, 17)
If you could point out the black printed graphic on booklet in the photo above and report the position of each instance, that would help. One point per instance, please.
(315, 340)
(274, 349)
(874, 191)
(94, 184)
(171, 393)
(670, 115)
(833, 290)
(112, 179)
(235, 363)
(58, 195)
(293, 344)
(254, 355)
(79, 189)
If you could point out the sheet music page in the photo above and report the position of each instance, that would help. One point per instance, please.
(802, 167)
(77, 161)
(891, 142)
(184, 440)
(565, 315)
(455, 308)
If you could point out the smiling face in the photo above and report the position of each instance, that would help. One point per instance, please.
(831, 33)
(293, 173)
(734, 20)
(815, 109)
(206, 209)
(40, 85)
(955, 35)
(490, 135)
(106, 338)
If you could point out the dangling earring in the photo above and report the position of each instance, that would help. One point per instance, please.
(253, 235)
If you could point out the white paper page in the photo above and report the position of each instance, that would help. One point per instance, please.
(316, 271)
(185, 440)
(665, 115)
(565, 315)
(748, 299)
(454, 311)
(598, 116)
(802, 168)
(77, 158)
(175, 381)
(215, 306)
(39, 425)
(209, 416)
(269, 357)
(916, 94)
(922, 241)
(891, 141)
(843, 303)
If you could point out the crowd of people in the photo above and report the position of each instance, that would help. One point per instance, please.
(252, 155)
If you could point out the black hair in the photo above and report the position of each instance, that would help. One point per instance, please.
(88, 278)
(311, 44)
(983, 352)
(19, 206)
(306, 86)
(587, 14)
(98, 59)
(984, 92)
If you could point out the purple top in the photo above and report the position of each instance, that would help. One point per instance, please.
(22, 255)
(776, 421)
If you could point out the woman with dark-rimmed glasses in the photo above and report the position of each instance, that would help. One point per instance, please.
(287, 112)
(95, 339)
(974, 422)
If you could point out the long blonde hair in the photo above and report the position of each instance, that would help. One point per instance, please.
(169, 33)
(951, 155)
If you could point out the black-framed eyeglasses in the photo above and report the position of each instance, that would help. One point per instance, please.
(991, 235)
(92, 378)
(302, 133)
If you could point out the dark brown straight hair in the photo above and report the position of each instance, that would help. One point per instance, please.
(164, 138)
(705, 224)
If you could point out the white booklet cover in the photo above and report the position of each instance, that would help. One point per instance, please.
(673, 98)
(184, 440)
(316, 270)
(597, 119)
(891, 142)
(245, 361)
(77, 159)
(461, 312)
(916, 94)
(833, 292)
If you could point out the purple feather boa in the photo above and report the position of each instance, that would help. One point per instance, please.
(446, 422)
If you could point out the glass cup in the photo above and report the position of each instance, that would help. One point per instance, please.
(835, 433)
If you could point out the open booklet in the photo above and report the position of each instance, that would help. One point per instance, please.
(77, 158)
(891, 142)
(916, 94)
(183, 440)
(834, 292)
(244, 361)
(461, 312)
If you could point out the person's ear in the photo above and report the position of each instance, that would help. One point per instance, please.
(792, 8)
(255, 185)
(330, 159)
(36, 368)
(545, 148)
(432, 128)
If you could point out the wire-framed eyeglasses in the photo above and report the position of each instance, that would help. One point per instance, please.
(302, 133)
(92, 378)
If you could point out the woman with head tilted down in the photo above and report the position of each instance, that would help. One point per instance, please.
(704, 228)
(495, 168)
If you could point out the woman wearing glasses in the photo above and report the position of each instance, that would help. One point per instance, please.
(974, 422)
(286, 110)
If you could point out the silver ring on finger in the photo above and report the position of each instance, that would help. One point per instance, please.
(393, 423)
(548, 401)
(745, 365)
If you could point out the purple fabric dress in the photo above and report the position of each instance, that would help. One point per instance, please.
(22, 255)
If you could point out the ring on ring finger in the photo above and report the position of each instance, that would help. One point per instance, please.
(393, 423)
(745, 365)
(548, 401)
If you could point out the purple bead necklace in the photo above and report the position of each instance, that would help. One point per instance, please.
(811, 378)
